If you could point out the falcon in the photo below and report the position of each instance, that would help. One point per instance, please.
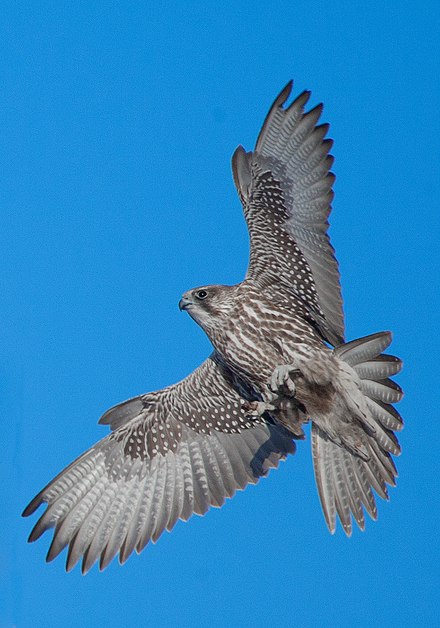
(279, 360)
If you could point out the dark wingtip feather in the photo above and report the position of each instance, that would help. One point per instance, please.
(315, 111)
(32, 506)
(279, 101)
(36, 532)
(302, 99)
(284, 94)
(282, 97)
(53, 551)
(87, 563)
(328, 143)
(324, 128)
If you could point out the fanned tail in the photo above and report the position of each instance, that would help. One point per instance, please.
(348, 471)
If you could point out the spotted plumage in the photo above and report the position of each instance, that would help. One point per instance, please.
(180, 450)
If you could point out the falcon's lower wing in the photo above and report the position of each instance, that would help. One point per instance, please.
(171, 454)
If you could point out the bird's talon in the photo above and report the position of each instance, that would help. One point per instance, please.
(257, 408)
(282, 378)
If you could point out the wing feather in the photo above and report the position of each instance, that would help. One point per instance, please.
(285, 186)
(170, 455)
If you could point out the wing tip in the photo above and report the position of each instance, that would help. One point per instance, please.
(33, 505)
(278, 103)
(284, 94)
(301, 100)
(35, 534)
(87, 561)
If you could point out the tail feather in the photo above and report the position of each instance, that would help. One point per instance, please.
(364, 349)
(342, 495)
(346, 479)
(322, 464)
(384, 463)
(366, 494)
(385, 414)
(386, 439)
(354, 496)
(384, 390)
(379, 368)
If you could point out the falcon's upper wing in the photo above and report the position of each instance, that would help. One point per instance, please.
(285, 186)
(171, 453)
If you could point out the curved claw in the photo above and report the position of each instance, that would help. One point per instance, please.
(282, 378)
(258, 408)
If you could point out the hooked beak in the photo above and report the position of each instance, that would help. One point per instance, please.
(184, 303)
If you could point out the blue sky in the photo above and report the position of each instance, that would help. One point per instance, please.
(118, 121)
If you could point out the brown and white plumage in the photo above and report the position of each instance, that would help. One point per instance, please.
(189, 446)
(285, 186)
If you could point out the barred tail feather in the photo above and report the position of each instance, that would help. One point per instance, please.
(346, 479)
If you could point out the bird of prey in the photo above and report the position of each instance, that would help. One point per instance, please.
(279, 360)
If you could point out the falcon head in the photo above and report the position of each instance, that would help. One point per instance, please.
(209, 306)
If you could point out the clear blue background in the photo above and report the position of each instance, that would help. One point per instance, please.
(118, 121)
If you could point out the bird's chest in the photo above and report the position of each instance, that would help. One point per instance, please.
(253, 344)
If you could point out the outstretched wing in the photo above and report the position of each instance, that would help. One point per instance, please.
(171, 453)
(285, 187)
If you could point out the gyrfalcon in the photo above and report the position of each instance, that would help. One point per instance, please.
(279, 360)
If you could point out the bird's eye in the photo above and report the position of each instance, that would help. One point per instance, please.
(201, 294)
